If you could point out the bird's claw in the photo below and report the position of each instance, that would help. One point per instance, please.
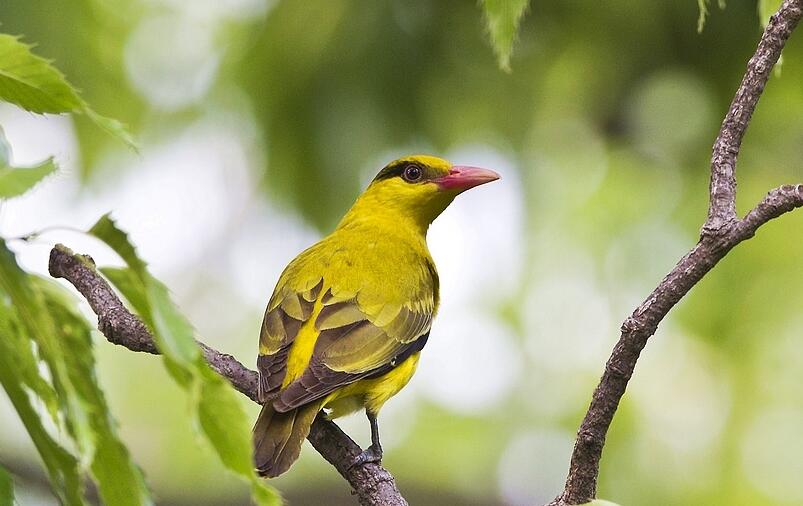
(370, 454)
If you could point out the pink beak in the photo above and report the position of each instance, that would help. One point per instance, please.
(461, 178)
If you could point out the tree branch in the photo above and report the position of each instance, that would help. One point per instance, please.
(722, 205)
(721, 231)
(373, 484)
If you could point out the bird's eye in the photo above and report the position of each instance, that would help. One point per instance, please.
(412, 173)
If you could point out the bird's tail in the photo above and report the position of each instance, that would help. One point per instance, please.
(278, 437)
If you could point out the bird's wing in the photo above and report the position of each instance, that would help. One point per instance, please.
(290, 306)
(358, 340)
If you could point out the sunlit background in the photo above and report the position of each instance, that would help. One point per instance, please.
(259, 123)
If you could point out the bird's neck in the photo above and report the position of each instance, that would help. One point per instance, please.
(368, 213)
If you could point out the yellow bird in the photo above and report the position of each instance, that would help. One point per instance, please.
(349, 316)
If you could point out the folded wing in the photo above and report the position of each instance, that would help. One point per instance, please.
(357, 341)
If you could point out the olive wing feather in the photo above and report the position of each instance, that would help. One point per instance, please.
(357, 341)
(287, 311)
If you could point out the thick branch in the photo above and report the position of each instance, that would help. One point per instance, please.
(722, 205)
(721, 232)
(373, 484)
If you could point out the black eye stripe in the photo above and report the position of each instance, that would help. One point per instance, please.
(395, 170)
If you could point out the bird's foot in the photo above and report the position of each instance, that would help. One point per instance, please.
(370, 454)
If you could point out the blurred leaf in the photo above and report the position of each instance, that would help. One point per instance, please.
(5, 149)
(64, 340)
(14, 181)
(702, 6)
(766, 8)
(119, 480)
(16, 358)
(19, 349)
(62, 467)
(112, 127)
(32, 83)
(213, 400)
(6, 488)
(502, 18)
(106, 230)
(130, 285)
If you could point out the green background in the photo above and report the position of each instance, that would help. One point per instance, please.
(259, 122)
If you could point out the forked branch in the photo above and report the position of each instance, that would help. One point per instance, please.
(721, 231)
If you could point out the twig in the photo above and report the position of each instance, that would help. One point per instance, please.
(721, 231)
(372, 483)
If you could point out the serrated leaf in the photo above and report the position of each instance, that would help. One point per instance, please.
(62, 467)
(32, 83)
(19, 301)
(47, 315)
(6, 488)
(107, 231)
(113, 127)
(119, 480)
(14, 181)
(20, 350)
(214, 402)
(502, 18)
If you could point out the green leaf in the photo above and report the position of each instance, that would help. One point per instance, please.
(18, 316)
(702, 6)
(15, 181)
(32, 83)
(20, 350)
(214, 403)
(62, 467)
(130, 285)
(106, 230)
(119, 480)
(6, 488)
(43, 313)
(502, 17)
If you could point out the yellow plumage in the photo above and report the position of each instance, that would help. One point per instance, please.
(349, 316)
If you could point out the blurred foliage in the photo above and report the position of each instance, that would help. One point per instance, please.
(603, 133)
(213, 400)
(6, 488)
(39, 318)
(32, 83)
(503, 18)
(15, 181)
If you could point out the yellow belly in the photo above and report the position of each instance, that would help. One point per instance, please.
(371, 393)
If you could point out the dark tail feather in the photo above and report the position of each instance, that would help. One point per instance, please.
(278, 437)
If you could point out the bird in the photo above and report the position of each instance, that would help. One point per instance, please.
(349, 315)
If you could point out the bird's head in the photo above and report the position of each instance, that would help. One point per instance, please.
(419, 187)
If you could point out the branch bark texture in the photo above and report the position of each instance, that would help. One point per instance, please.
(721, 231)
(372, 483)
